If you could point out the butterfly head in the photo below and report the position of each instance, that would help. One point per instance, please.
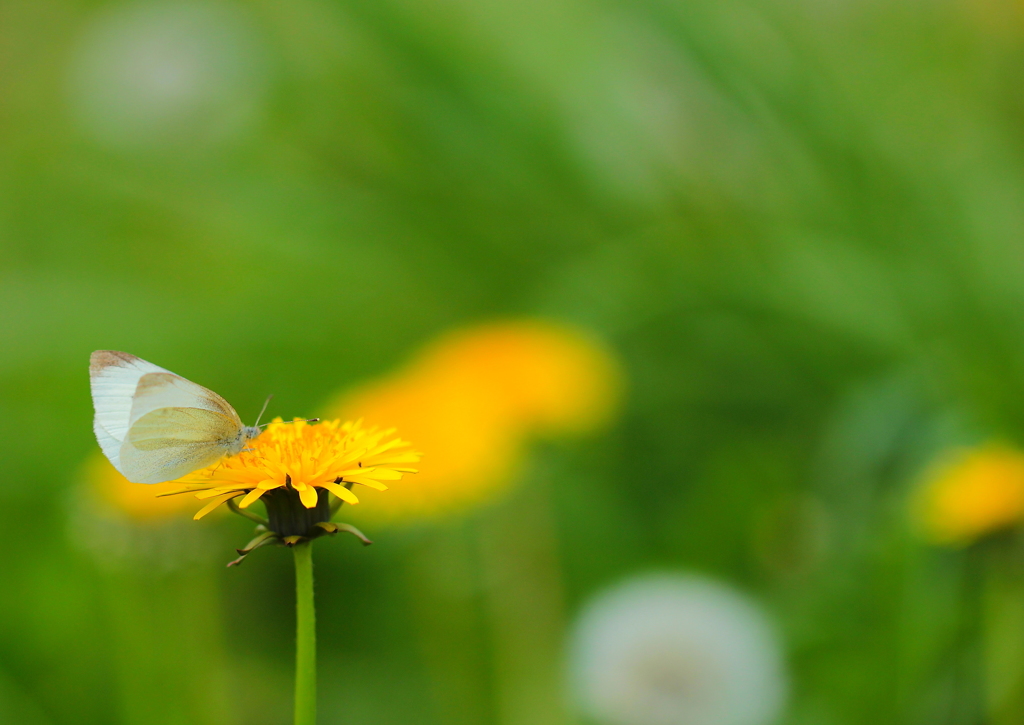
(249, 432)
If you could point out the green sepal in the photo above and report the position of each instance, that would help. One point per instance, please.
(267, 537)
(332, 528)
(246, 513)
(349, 528)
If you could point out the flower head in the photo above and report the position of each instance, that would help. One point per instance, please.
(476, 397)
(129, 501)
(973, 492)
(170, 73)
(663, 650)
(124, 525)
(304, 461)
(542, 377)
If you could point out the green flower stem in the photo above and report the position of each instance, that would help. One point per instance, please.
(305, 649)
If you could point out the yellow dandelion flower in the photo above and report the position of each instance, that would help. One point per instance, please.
(125, 525)
(298, 463)
(475, 398)
(140, 504)
(474, 447)
(549, 378)
(972, 493)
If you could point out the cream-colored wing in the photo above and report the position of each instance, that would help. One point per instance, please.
(168, 443)
(167, 390)
(114, 376)
(108, 444)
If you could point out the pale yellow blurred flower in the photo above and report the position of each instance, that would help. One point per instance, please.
(973, 492)
(124, 525)
(132, 501)
(474, 398)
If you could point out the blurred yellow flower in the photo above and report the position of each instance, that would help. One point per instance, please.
(123, 525)
(974, 492)
(329, 456)
(137, 503)
(543, 376)
(472, 400)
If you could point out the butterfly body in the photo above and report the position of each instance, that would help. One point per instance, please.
(156, 426)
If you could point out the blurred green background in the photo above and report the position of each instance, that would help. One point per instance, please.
(797, 224)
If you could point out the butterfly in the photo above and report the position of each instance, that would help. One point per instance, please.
(156, 426)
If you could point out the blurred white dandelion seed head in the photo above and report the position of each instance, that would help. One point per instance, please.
(676, 650)
(168, 74)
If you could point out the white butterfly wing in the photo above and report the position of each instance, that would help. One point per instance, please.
(156, 426)
(158, 390)
(168, 443)
(114, 376)
(108, 444)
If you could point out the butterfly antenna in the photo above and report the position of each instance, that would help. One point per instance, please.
(263, 410)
